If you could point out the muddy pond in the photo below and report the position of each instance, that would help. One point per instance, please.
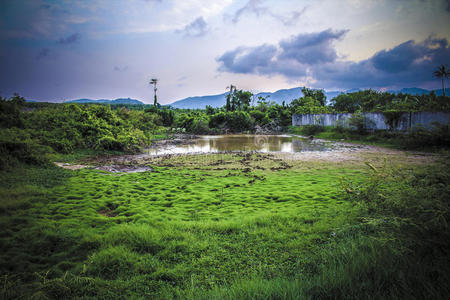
(261, 143)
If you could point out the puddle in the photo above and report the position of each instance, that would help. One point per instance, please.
(239, 142)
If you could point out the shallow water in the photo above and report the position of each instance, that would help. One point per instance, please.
(261, 143)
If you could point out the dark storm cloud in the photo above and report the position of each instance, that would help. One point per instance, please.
(410, 63)
(73, 38)
(396, 59)
(196, 28)
(311, 48)
(257, 60)
(289, 58)
(261, 60)
(403, 56)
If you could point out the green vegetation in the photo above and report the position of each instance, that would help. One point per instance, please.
(226, 226)
(29, 133)
(373, 101)
(217, 226)
(29, 130)
(443, 73)
(435, 138)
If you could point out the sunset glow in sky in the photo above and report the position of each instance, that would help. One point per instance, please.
(56, 50)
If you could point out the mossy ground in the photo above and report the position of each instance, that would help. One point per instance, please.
(191, 227)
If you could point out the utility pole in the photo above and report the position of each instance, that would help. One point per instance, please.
(154, 81)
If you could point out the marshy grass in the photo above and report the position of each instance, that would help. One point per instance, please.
(226, 226)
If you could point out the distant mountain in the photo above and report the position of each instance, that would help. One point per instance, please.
(279, 96)
(106, 101)
(412, 91)
(286, 95)
(201, 101)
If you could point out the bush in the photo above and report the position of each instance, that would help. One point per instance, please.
(16, 145)
(66, 127)
(236, 121)
(239, 121)
(312, 129)
(108, 143)
(421, 137)
(360, 123)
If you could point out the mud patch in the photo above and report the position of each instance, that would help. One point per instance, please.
(70, 166)
(107, 168)
(124, 169)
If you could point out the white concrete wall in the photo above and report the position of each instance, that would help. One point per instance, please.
(376, 121)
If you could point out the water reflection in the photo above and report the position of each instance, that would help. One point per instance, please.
(261, 143)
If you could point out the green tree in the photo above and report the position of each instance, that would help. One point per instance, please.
(154, 81)
(230, 96)
(241, 99)
(315, 94)
(443, 73)
(308, 105)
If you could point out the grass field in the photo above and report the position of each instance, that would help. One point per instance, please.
(227, 226)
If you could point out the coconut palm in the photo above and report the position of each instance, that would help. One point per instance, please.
(442, 72)
(154, 81)
(229, 96)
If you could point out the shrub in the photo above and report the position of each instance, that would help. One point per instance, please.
(421, 137)
(17, 145)
(239, 121)
(360, 123)
(312, 129)
(108, 143)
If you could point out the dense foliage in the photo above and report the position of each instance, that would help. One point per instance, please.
(373, 101)
(28, 132)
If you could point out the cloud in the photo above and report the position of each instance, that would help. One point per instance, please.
(245, 60)
(73, 38)
(311, 48)
(44, 52)
(292, 18)
(408, 64)
(261, 60)
(313, 57)
(291, 57)
(255, 7)
(252, 6)
(196, 28)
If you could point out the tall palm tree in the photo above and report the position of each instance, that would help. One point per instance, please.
(154, 81)
(442, 72)
(229, 96)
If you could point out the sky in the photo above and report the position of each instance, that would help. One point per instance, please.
(54, 50)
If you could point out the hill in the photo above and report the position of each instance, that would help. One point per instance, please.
(279, 96)
(106, 101)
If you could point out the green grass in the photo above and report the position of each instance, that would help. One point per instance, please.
(209, 226)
